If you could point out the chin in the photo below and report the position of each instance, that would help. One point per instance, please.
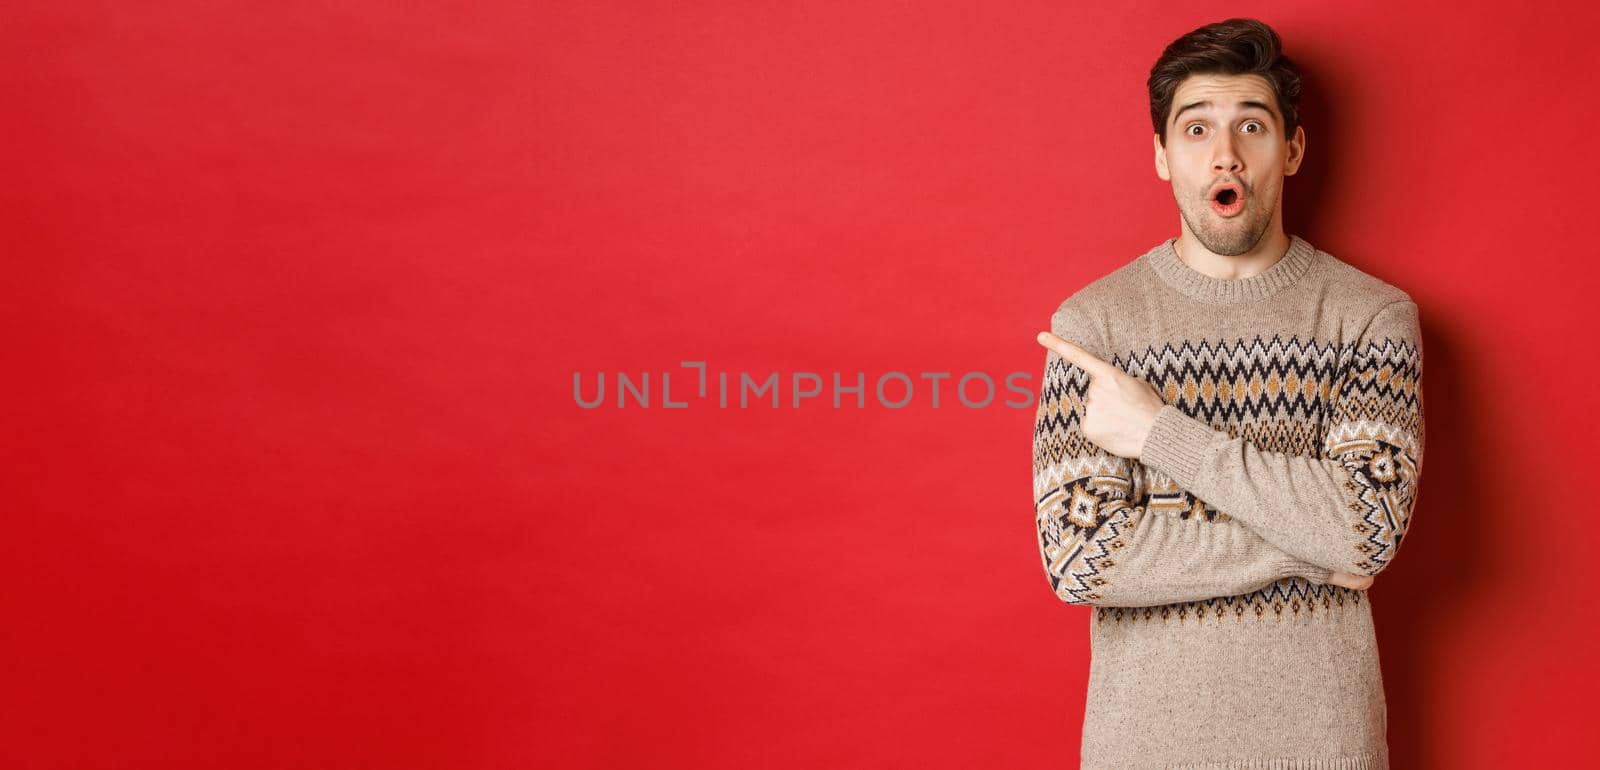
(1233, 239)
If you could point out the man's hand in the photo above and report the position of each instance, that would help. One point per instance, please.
(1118, 408)
(1358, 582)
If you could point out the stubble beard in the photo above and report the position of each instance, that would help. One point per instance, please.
(1226, 237)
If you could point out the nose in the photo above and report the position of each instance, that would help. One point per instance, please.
(1227, 157)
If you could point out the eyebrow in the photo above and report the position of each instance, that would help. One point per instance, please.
(1246, 104)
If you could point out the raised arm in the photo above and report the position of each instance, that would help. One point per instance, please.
(1347, 509)
(1098, 548)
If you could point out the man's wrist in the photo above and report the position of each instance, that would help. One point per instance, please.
(1176, 444)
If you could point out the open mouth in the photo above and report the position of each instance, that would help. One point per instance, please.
(1227, 200)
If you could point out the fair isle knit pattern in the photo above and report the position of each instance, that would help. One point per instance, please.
(1290, 446)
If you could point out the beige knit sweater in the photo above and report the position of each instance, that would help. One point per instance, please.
(1289, 446)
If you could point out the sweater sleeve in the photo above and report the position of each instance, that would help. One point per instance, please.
(1098, 548)
(1349, 507)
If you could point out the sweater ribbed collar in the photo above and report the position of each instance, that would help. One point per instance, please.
(1231, 291)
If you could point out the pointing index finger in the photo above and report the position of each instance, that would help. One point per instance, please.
(1075, 355)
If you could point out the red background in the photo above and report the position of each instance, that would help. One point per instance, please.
(295, 478)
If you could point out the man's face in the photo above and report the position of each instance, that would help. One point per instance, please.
(1222, 130)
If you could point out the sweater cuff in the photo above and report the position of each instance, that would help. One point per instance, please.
(1305, 569)
(1177, 445)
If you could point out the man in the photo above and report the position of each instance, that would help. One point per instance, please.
(1227, 447)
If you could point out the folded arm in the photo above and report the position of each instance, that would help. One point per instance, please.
(1345, 510)
(1098, 548)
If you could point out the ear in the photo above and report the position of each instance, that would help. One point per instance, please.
(1297, 151)
(1161, 159)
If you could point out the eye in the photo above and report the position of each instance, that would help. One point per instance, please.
(1190, 129)
(1256, 123)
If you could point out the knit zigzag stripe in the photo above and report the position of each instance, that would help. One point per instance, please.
(1357, 405)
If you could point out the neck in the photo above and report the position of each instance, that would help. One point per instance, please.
(1297, 259)
(1232, 267)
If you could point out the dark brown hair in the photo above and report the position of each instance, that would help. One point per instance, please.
(1231, 47)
